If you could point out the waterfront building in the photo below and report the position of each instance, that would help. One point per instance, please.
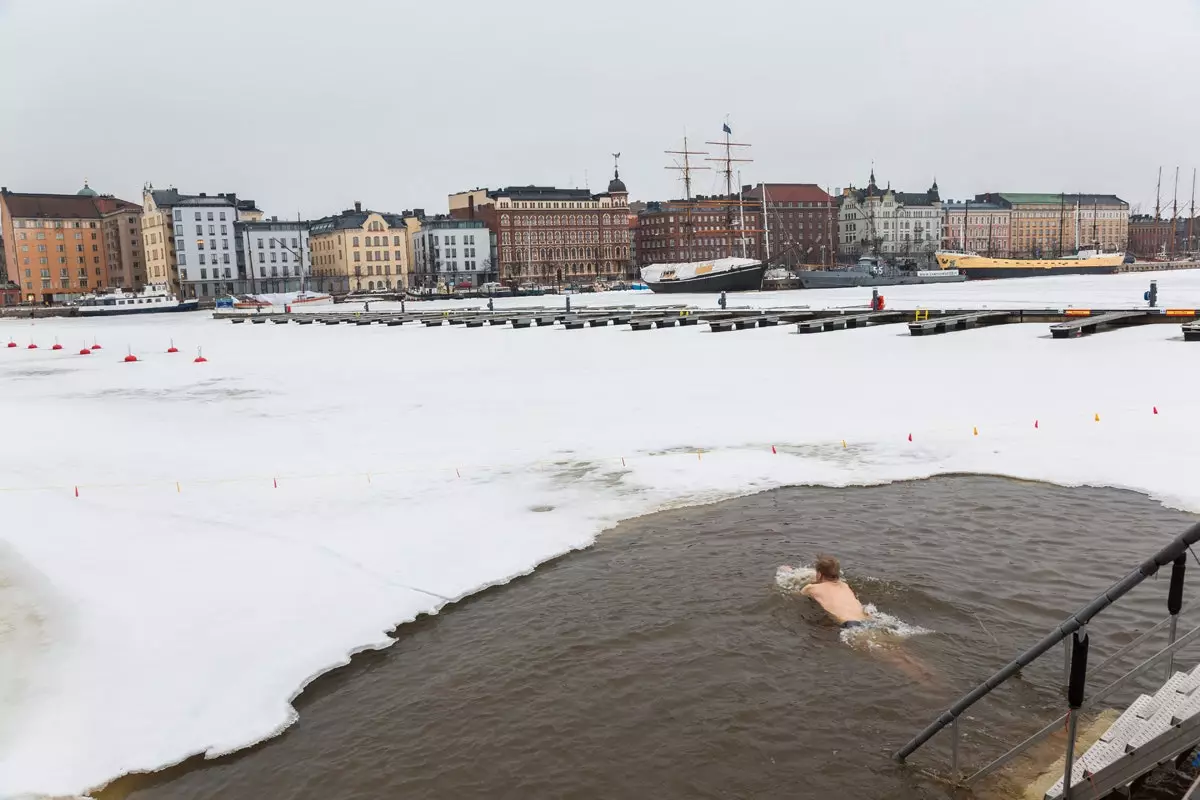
(55, 246)
(205, 246)
(801, 224)
(546, 235)
(662, 230)
(888, 223)
(1043, 225)
(1149, 236)
(975, 226)
(360, 250)
(169, 222)
(451, 252)
(275, 255)
(121, 224)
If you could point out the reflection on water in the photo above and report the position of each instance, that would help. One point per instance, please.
(664, 662)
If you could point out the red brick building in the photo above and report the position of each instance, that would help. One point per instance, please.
(549, 236)
(663, 234)
(1149, 237)
(802, 222)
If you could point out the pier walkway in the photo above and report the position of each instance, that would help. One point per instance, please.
(1064, 323)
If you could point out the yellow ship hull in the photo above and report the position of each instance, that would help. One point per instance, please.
(977, 267)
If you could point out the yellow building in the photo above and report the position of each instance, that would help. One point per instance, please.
(1043, 225)
(360, 251)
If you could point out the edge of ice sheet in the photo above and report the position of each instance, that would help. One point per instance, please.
(200, 609)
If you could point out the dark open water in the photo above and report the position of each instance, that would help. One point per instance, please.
(664, 663)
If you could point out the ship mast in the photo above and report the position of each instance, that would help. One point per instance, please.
(1175, 213)
(729, 161)
(1192, 216)
(1158, 195)
(686, 168)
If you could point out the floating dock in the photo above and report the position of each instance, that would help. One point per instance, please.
(1064, 323)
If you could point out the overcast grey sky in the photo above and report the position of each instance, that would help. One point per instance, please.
(309, 105)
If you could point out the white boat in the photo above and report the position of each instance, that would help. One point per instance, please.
(150, 300)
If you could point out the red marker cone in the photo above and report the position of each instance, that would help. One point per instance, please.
(772, 449)
(31, 346)
(172, 348)
(1156, 409)
(199, 359)
(11, 343)
(77, 491)
(129, 359)
(96, 347)
(56, 346)
(910, 437)
(1035, 423)
(85, 352)
(275, 482)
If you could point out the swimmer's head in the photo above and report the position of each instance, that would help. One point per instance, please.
(828, 568)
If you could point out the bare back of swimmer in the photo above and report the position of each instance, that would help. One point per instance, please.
(834, 595)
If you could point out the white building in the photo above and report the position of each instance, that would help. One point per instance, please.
(883, 222)
(277, 255)
(451, 252)
(205, 245)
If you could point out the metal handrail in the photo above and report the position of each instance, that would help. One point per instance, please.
(1017, 749)
(1150, 566)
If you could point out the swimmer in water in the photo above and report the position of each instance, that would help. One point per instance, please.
(840, 602)
(834, 595)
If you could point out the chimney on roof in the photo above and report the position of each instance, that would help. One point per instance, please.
(357, 207)
(274, 219)
(202, 194)
(419, 213)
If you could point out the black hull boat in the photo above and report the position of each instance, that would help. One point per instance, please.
(705, 277)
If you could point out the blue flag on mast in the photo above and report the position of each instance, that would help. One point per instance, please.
(725, 127)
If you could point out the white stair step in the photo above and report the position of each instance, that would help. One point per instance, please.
(1190, 683)
(1167, 691)
(1129, 721)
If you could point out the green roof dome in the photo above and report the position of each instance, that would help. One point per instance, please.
(86, 191)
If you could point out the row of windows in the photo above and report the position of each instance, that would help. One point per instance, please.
(46, 223)
(562, 237)
(179, 215)
(560, 220)
(375, 241)
(41, 236)
(63, 260)
(556, 253)
(552, 205)
(41, 248)
(371, 269)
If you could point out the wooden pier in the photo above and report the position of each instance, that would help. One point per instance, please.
(1064, 323)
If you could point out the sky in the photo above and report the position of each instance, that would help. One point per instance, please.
(307, 106)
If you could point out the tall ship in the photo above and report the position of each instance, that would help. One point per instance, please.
(976, 267)
(151, 299)
(713, 226)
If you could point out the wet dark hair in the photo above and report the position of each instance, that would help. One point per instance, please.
(828, 567)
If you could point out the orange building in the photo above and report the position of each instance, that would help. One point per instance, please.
(54, 244)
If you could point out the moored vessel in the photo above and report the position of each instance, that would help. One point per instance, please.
(870, 271)
(976, 267)
(718, 275)
(151, 299)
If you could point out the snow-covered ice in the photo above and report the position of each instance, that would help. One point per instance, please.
(246, 524)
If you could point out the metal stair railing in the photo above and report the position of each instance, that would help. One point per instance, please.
(1075, 660)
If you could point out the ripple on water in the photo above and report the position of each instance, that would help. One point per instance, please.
(663, 662)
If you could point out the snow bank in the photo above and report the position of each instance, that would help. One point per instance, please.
(246, 524)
